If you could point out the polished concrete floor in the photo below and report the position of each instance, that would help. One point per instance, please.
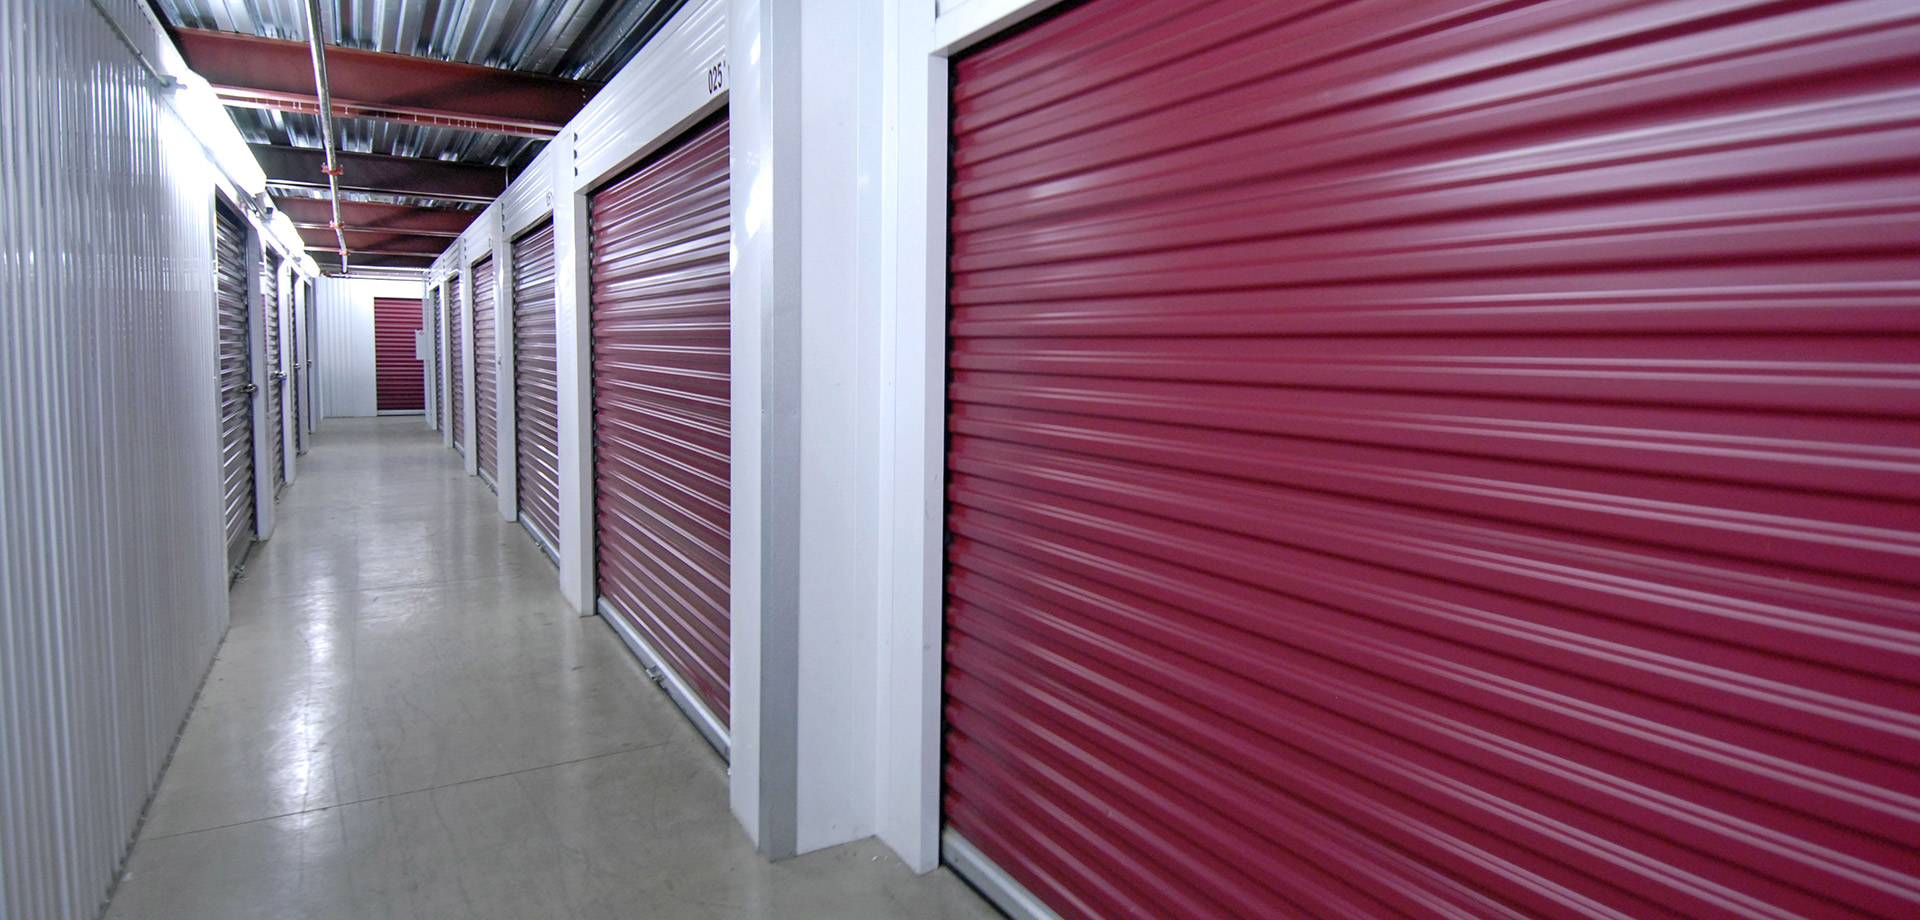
(407, 721)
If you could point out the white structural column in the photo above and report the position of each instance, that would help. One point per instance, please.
(469, 429)
(912, 257)
(289, 412)
(506, 452)
(764, 108)
(573, 365)
(807, 118)
(257, 361)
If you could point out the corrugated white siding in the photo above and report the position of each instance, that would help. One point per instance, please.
(112, 582)
(343, 310)
(666, 86)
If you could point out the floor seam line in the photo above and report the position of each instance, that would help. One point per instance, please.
(390, 795)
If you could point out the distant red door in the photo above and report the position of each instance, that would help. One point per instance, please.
(401, 377)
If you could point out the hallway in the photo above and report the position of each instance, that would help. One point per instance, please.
(407, 721)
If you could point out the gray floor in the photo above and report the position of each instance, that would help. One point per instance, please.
(407, 721)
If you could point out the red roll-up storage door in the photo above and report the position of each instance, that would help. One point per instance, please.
(236, 384)
(456, 365)
(276, 373)
(486, 372)
(661, 390)
(399, 376)
(535, 395)
(1439, 459)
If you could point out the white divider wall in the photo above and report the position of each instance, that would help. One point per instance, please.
(343, 310)
(112, 553)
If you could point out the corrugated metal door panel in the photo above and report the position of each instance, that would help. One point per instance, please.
(276, 375)
(1439, 459)
(236, 384)
(486, 372)
(536, 397)
(661, 391)
(400, 376)
(456, 356)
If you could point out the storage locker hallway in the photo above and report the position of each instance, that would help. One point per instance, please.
(407, 720)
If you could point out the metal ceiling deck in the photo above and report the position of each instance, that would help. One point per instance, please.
(577, 39)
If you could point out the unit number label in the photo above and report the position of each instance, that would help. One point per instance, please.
(716, 77)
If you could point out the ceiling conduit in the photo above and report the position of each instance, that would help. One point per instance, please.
(332, 164)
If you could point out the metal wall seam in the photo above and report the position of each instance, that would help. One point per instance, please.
(111, 550)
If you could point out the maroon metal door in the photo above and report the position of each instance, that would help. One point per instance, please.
(399, 377)
(276, 374)
(661, 391)
(536, 411)
(486, 373)
(236, 384)
(456, 365)
(1439, 459)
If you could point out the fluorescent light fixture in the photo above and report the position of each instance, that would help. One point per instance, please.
(198, 106)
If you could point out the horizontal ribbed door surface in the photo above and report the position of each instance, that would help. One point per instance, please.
(399, 376)
(456, 365)
(276, 374)
(236, 384)
(486, 372)
(536, 399)
(1439, 459)
(661, 391)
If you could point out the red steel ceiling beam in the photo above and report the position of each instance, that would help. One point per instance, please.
(380, 174)
(272, 73)
(359, 241)
(330, 261)
(368, 215)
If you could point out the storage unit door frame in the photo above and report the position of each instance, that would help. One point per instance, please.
(236, 384)
(486, 372)
(434, 298)
(536, 411)
(1419, 460)
(660, 321)
(456, 354)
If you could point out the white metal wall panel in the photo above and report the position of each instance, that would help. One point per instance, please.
(530, 198)
(112, 563)
(347, 384)
(667, 87)
(343, 310)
